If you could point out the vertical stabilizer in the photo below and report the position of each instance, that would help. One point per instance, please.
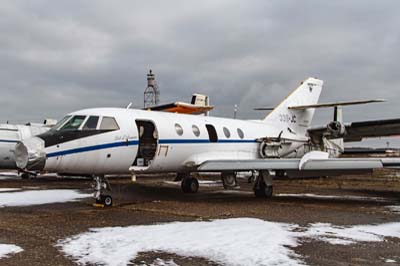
(297, 121)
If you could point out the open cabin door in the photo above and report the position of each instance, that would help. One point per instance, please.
(148, 143)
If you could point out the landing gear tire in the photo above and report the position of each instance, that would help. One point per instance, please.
(25, 176)
(106, 200)
(263, 185)
(263, 191)
(229, 180)
(190, 185)
(100, 184)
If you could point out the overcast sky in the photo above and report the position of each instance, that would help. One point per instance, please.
(60, 56)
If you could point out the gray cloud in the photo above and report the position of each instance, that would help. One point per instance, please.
(59, 56)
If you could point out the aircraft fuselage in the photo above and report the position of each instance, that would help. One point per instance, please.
(147, 141)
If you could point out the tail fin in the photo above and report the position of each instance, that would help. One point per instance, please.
(297, 121)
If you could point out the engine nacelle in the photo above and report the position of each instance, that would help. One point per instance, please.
(336, 128)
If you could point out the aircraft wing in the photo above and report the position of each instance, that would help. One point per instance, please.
(297, 164)
(356, 131)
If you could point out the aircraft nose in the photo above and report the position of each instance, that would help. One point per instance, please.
(30, 154)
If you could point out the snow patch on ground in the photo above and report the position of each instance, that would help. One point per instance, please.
(38, 197)
(315, 196)
(160, 262)
(240, 241)
(8, 250)
(394, 208)
(343, 235)
(9, 189)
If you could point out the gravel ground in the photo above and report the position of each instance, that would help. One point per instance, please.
(38, 228)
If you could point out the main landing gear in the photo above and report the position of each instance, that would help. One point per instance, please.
(27, 174)
(101, 184)
(189, 184)
(263, 185)
(229, 180)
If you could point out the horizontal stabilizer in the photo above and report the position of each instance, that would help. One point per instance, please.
(325, 105)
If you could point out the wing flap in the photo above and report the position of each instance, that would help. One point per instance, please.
(343, 164)
(244, 165)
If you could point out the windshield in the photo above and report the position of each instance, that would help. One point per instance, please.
(61, 122)
(74, 123)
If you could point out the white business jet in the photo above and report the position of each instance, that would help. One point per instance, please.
(104, 141)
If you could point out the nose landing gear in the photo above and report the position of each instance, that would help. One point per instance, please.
(101, 184)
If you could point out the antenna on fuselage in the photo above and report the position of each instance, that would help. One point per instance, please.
(151, 93)
(235, 110)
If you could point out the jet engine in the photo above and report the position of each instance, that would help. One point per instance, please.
(335, 128)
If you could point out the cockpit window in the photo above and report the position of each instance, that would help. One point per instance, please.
(61, 122)
(91, 123)
(109, 123)
(74, 123)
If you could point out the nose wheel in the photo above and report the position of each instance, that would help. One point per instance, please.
(101, 185)
(105, 200)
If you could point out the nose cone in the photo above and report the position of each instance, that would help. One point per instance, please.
(30, 154)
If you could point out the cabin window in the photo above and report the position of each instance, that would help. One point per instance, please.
(178, 129)
(109, 123)
(74, 123)
(212, 133)
(196, 130)
(240, 133)
(61, 122)
(227, 133)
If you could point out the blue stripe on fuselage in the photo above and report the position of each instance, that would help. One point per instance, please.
(93, 148)
(8, 141)
(195, 141)
(135, 142)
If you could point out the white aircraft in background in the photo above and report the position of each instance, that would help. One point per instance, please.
(10, 134)
(104, 141)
